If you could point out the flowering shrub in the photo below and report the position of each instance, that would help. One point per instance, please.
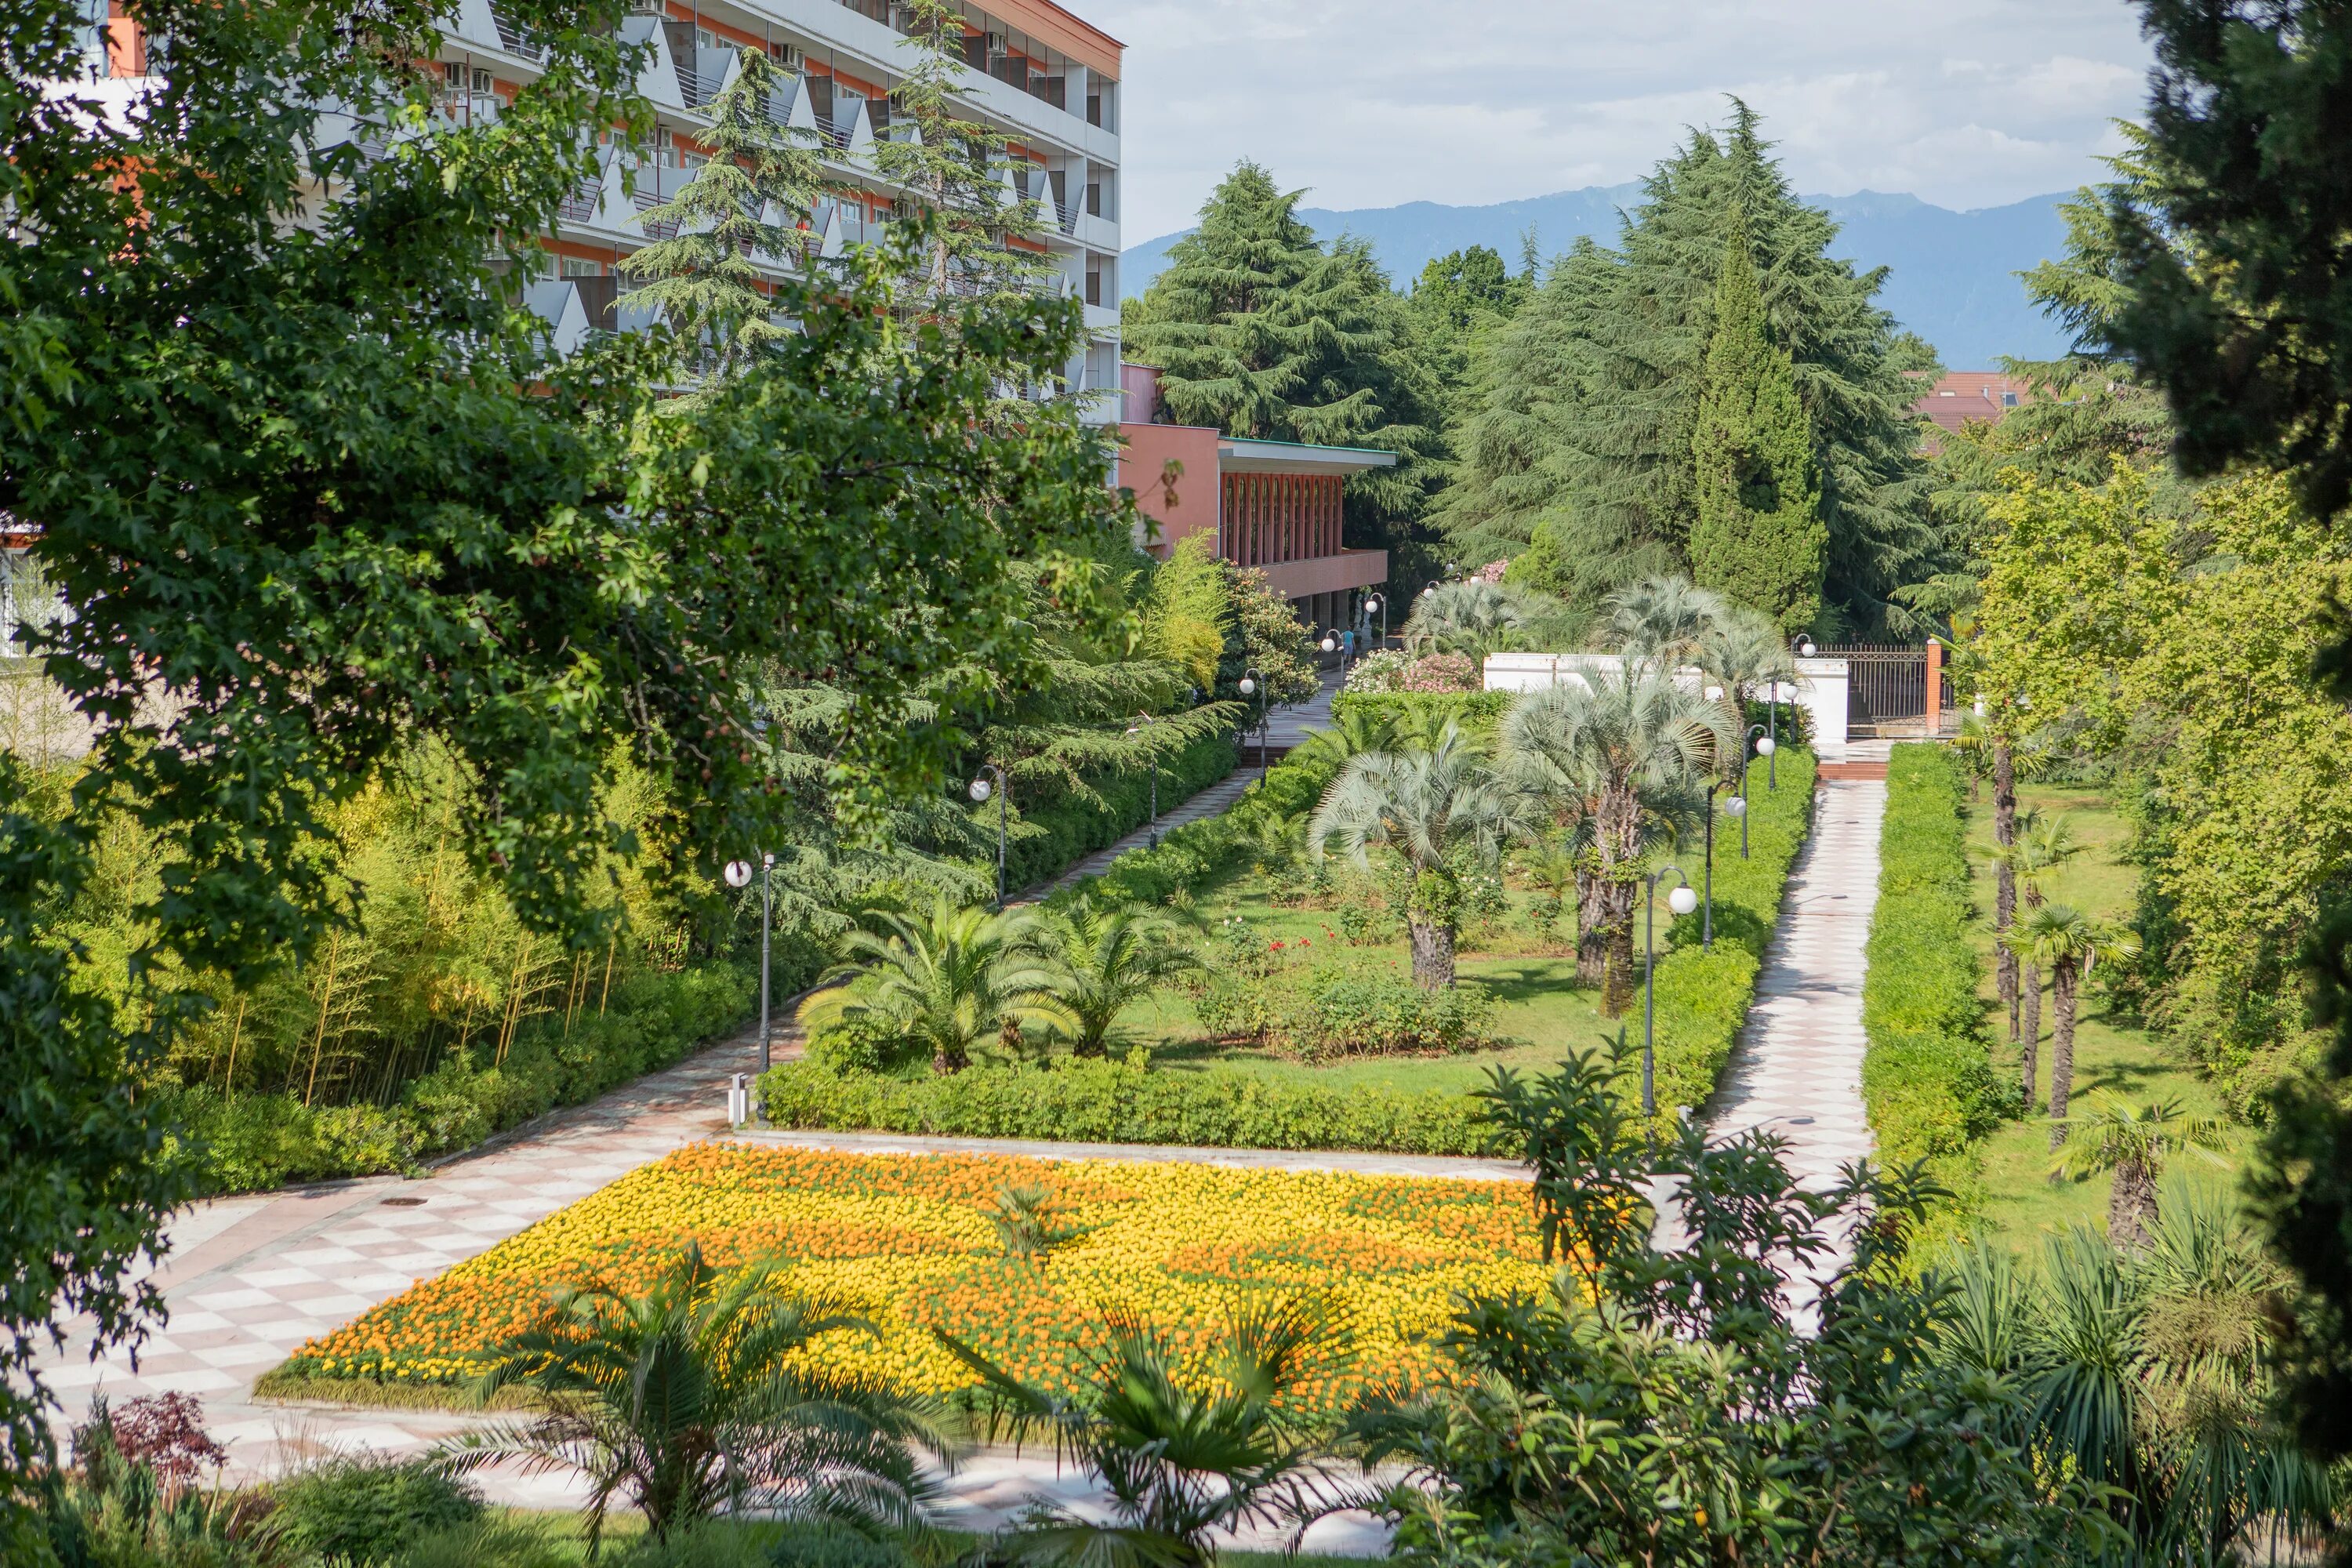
(908, 1241)
(1441, 672)
(1378, 671)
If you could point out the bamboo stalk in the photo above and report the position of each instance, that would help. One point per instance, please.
(514, 999)
(572, 994)
(325, 1001)
(611, 944)
(237, 1029)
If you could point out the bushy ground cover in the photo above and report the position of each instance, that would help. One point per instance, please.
(913, 1243)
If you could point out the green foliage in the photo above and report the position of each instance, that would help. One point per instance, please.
(366, 1510)
(1579, 459)
(1048, 837)
(1189, 612)
(945, 984)
(1263, 333)
(697, 1395)
(317, 496)
(1664, 1405)
(1129, 1101)
(1927, 1075)
(1479, 714)
(1104, 957)
(1756, 533)
(1267, 636)
(1334, 1007)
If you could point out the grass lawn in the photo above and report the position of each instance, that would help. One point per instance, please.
(2110, 1056)
(1542, 1014)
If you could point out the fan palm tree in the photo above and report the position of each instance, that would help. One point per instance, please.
(1662, 622)
(2133, 1142)
(1183, 1458)
(1438, 809)
(1473, 618)
(947, 983)
(2068, 943)
(1355, 730)
(1101, 957)
(698, 1393)
(1622, 747)
(1739, 651)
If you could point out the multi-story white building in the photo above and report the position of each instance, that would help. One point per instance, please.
(1046, 80)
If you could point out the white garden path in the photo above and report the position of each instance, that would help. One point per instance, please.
(246, 1280)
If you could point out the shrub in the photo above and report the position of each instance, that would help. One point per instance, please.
(1479, 714)
(364, 1511)
(1350, 1009)
(1047, 838)
(1130, 1101)
(1927, 1077)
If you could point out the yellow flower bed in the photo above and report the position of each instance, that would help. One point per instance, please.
(906, 1240)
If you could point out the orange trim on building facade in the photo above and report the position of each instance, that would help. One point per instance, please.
(1057, 28)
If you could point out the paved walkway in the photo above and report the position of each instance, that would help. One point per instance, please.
(1797, 1070)
(1288, 726)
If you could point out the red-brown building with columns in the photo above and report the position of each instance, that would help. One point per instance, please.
(1271, 505)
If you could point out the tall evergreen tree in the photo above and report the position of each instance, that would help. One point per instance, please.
(1581, 458)
(1264, 333)
(1758, 538)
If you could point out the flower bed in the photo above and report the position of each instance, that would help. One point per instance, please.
(904, 1239)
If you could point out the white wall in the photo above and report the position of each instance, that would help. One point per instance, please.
(1820, 691)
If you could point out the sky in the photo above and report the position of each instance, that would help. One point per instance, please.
(1965, 103)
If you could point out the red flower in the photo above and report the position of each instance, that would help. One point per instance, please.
(1274, 947)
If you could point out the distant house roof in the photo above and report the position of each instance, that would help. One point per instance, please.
(1964, 395)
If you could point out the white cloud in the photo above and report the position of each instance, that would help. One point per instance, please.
(1371, 103)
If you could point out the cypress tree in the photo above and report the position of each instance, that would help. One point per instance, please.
(1758, 538)
(1579, 459)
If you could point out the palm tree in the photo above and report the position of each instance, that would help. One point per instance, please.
(1557, 870)
(2039, 844)
(1437, 807)
(1473, 618)
(696, 1395)
(1740, 651)
(2132, 1141)
(1101, 957)
(2067, 943)
(1183, 1458)
(1661, 623)
(1354, 730)
(1622, 747)
(950, 982)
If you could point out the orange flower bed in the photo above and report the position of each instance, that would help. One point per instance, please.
(906, 1240)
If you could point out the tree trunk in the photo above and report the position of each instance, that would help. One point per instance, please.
(2029, 1037)
(2131, 1207)
(1617, 983)
(2004, 895)
(1432, 955)
(1591, 930)
(951, 1057)
(2063, 977)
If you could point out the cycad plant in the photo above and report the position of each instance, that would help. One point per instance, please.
(2068, 943)
(1100, 958)
(1623, 748)
(2133, 1142)
(946, 984)
(1184, 1457)
(700, 1394)
(1440, 808)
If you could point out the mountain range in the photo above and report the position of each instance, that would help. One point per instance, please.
(1952, 276)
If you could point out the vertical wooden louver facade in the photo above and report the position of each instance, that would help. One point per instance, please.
(1272, 518)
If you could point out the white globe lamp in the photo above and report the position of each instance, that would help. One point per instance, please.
(1682, 901)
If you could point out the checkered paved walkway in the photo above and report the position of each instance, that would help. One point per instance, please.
(1797, 1070)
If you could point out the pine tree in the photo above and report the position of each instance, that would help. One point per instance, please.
(1262, 333)
(1758, 538)
(984, 238)
(1579, 457)
(752, 197)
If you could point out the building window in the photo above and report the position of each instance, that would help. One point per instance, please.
(1094, 107)
(1094, 285)
(579, 267)
(1093, 198)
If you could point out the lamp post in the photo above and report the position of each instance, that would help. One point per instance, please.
(1707, 903)
(981, 790)
(1756, 747)
(1682, 901)
(738, 874)
(1252, 682)
(1379, 602)
(1331, 644)
(1803, 648)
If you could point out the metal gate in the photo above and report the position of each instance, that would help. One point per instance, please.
(1886, 691)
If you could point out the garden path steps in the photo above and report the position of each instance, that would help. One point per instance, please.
(1797, 1069)
(1286, 726)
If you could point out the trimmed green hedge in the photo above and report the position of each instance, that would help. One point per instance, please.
(1928, 1077)
(1130, 1103)
(1703, 1000)
(1049, 838)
